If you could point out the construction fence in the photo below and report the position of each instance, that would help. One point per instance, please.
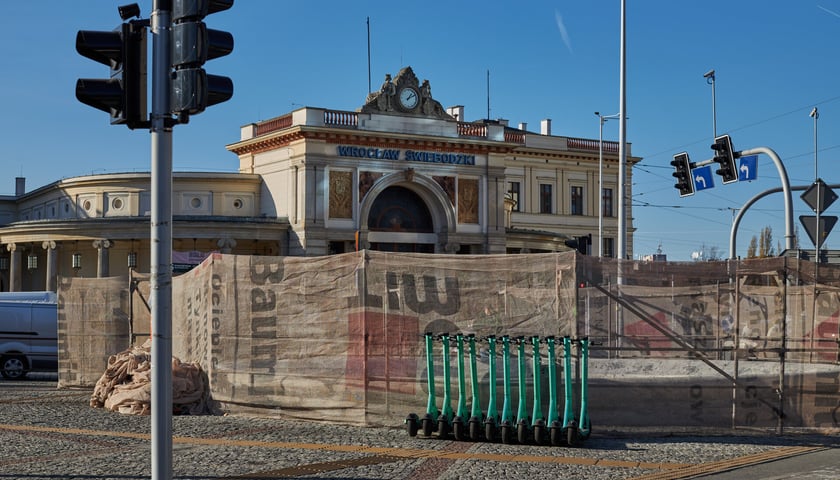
(737, 344)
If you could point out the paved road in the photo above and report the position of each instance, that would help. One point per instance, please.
(819, 465)
(47, 433)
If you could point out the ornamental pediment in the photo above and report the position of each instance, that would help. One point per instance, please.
(405, 95)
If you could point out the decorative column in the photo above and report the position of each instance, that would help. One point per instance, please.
(52, 264)
(14, 268)
(226, 245)
(102, 247)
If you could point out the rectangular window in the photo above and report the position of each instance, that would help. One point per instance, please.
(607, 198)
(545, 198)
(514, 195)
(577, 200)
(609, 247)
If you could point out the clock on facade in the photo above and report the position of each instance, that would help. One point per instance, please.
(409, 98)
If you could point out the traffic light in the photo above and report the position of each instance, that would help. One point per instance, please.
(726, 158)
(581, 244)
(193, 43)
(123, 96)
(682, 170)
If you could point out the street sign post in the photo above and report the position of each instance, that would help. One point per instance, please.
(748, 168)
(818, 228)
(819, 197)
(703, 178)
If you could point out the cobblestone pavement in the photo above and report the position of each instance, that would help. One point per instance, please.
(48, 433)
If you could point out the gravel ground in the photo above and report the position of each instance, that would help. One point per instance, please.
(48, 433)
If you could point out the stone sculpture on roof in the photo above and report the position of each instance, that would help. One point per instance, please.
(405, 95)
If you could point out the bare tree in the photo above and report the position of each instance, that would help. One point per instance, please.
(762, 246)
(753, 248)
(707, 253)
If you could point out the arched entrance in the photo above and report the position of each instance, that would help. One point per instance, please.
(404, 220)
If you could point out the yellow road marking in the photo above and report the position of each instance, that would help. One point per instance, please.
(690, 471)
(665, 470)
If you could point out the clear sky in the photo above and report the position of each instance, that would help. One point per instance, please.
(774, 60)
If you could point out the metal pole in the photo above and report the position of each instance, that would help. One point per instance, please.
(622, 141)
(368, 46)
(161, 244)
(600, 185)
(786, 188)
(602, 120)
(710, 79)
(815, 115)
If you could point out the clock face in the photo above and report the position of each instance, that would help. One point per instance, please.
(409, 98)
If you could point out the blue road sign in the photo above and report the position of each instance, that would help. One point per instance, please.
(703, 178)
(748, 168)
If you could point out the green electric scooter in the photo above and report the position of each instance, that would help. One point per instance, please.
(584, 425)
(523, 423)
(475, 410)
(491, 421)
(506, 423)
(429, 420)
(459, 425)
(447, 414)
(537, 419)
(555, 428)
(569, 423)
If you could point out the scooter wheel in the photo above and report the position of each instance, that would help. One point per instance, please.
(522, 433)
(412, 424)
(475, 430)
(458, 429)
(490, 431)
(539, 432)
(507, 434)
(571, 436)
(427, 425)
(555, 434)
(443, 428)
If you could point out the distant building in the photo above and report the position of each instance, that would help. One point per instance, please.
(656, 257)
(400, 174)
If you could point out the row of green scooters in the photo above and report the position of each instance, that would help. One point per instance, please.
(475, 425)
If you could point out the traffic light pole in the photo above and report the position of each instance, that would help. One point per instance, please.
(161, 248)
(789, 237)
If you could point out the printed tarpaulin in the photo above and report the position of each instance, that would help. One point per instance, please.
(340, 338)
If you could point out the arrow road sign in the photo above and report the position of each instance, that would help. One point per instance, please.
(810, 224)
(703, 178)
(819, 196)
(748, 169)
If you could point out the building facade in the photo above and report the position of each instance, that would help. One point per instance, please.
(401, 173)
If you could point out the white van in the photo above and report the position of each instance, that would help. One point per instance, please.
(28, 333)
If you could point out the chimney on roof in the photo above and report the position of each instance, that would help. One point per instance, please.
(20, 186)
(523, 126)
(457, 111)
(504, 122)
(545, 126)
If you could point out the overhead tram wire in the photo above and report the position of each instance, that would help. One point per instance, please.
(795, 111)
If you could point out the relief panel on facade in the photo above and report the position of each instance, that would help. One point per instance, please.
(467, 201)
(448, 186)
(366, 181)
(341, 194)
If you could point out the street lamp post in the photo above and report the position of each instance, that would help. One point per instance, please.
(710, 79)
(602, 119)
(816, 115)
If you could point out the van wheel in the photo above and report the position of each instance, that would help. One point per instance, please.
(13, 367)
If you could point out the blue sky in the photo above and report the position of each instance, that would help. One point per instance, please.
(774, 61)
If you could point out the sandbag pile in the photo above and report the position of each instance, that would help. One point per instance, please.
(126, 385)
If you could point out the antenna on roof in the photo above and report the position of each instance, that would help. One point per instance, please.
(368, 45)
(488, 94)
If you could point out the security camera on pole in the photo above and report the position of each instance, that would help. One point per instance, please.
(180, 87)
